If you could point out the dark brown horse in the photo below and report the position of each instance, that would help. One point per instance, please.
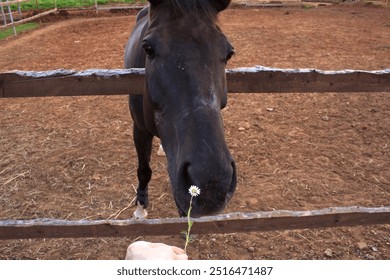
(184, 53)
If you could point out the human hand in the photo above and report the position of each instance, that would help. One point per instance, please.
(142, 250)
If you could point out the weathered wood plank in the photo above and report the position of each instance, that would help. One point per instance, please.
(240, 80)
(71, 83)
(227, 223)
(272, 80)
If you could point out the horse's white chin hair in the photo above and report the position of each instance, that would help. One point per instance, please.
(140, 212)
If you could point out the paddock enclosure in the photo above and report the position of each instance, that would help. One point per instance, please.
(73, 157)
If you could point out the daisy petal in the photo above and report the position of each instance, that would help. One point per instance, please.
(194, 190)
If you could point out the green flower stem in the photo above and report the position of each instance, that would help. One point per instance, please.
(190, 223)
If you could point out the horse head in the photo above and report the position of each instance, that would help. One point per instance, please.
(185, 59)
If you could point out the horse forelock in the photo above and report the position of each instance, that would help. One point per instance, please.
(202, 9)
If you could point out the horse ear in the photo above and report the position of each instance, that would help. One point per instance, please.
(220, 5)
(155, 2)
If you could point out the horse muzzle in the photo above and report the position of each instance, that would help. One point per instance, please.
(216, 181)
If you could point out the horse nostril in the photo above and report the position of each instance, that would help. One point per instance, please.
(233, 167)
(214, 174)
(185, 171)
(233, 182)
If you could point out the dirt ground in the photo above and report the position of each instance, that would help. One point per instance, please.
(73, 158)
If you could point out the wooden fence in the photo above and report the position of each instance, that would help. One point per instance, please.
(131, 81)
(258, 79)
(227, 223)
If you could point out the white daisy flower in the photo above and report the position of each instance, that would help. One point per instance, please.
(194, 191)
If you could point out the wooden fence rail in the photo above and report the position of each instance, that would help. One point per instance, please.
(240, 80)
(227, 223)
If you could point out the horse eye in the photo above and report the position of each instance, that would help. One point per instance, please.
(148, 50)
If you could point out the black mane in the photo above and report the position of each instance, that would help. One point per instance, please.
(203, 9)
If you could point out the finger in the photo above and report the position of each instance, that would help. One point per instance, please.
(177, 250)
(183, 257)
